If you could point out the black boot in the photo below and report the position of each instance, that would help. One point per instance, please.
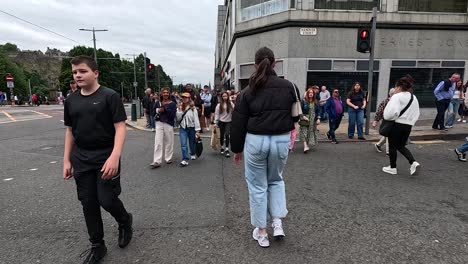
(126, 232)
(95, 253)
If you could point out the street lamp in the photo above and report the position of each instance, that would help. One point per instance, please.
(94, 38)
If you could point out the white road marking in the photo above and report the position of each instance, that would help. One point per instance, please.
(39, 113)
(35, 169)
(46, 148)
(8, 179)
(62, 121)
(53, 162)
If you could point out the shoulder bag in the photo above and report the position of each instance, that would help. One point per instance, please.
(387, 125)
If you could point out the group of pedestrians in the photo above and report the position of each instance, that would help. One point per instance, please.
(257, 128)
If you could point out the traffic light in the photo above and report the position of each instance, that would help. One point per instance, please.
(363, 40)
(151, 71)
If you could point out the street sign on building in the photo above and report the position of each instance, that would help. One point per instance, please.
(308, 31)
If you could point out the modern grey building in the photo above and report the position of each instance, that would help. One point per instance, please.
(314, 42)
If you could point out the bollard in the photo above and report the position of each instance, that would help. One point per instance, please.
(134, 112)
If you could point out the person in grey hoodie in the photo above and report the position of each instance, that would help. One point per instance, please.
(223, 118)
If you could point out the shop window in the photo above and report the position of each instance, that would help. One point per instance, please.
(450, 6)
(347, 4)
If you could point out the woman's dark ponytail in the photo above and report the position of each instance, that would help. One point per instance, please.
(264, 59)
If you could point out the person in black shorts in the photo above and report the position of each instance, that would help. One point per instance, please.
(94, 138)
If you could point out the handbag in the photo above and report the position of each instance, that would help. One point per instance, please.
(387, 125)
(304, 122)
(198, 146)
(157, 116)
(296, 107)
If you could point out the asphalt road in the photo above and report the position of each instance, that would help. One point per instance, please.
(342, 208)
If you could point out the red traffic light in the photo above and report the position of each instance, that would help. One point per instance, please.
(150, 66)
(364, 34)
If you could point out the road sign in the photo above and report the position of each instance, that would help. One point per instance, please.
(10, 84)
(135, 84)
(308, 31)
(9, 77)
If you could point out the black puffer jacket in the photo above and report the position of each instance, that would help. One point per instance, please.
(268, 112)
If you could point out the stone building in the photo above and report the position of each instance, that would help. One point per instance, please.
(314, 42)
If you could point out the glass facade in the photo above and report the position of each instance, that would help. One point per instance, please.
(250, 9)
(425, 81)
(347, 4)
(450, 6)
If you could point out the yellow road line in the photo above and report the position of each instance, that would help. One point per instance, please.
(26, 119)
(39, 113)
(9, 116)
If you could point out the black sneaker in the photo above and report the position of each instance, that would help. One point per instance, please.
(222, 151)
(378, 148)
(361, 138)
(126, 232)
(94, 254)
(334, 141)
(328, 136)
(461, 156)
(227, 154)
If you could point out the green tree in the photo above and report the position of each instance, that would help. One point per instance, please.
(8, 66)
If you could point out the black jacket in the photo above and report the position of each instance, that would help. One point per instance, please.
(268, 112)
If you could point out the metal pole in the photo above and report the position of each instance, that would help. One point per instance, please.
(146, 71)
(159, 83)
(94, 42)
(134, 76)
(371, 69)
(30, 92)
(121, 90)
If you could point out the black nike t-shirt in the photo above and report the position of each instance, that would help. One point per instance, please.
(91, 118)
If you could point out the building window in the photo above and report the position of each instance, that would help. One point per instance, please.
(452, 6)
(250, 9)
(425, 81)
(347, 4)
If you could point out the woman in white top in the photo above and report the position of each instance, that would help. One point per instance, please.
(223, 118)
(403, 123)
(187, 117)
(454, 104)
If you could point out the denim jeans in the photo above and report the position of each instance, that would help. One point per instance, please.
(442, 106)
(265, 158)
(152, 122)
(334, 124)
(185, 133)
(463, 148)
(452, 111)
(355, 116)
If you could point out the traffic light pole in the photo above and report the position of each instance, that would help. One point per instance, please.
(371, 69)
(146, 72)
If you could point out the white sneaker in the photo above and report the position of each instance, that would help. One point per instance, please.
(183, 163)
(261, 239)
(278, 231)
(414, 167)
(389, 170)
(459, 120)
(464, 121)
(193, 157)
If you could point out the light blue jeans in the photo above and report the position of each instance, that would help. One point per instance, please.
(265, 158)
(185, 133)
(463, 148)
(452, 111)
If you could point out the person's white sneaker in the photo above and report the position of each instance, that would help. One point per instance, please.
(193, 157)
(463, 121)
(278, 231)
(183, 163)
(459, 120)
(389, 170)
(261, 239)
(414, 167)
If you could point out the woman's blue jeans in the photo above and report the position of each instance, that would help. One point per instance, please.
(356, 117)
(265, 158)
(185, 133)
(452, 111)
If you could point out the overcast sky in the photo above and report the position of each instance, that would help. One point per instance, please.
(178, 34)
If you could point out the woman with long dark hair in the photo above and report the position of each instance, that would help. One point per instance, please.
(261, 125)
(403, 108)
(165, 110)
(356, 104)
(223, 119)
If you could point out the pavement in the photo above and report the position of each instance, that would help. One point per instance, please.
(342, 207)
(421, 131)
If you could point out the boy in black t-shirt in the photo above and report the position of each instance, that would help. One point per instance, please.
(94, 138)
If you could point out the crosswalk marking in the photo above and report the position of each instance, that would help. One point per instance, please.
(9, 116)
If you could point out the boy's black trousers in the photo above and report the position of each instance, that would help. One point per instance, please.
(94, 192)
